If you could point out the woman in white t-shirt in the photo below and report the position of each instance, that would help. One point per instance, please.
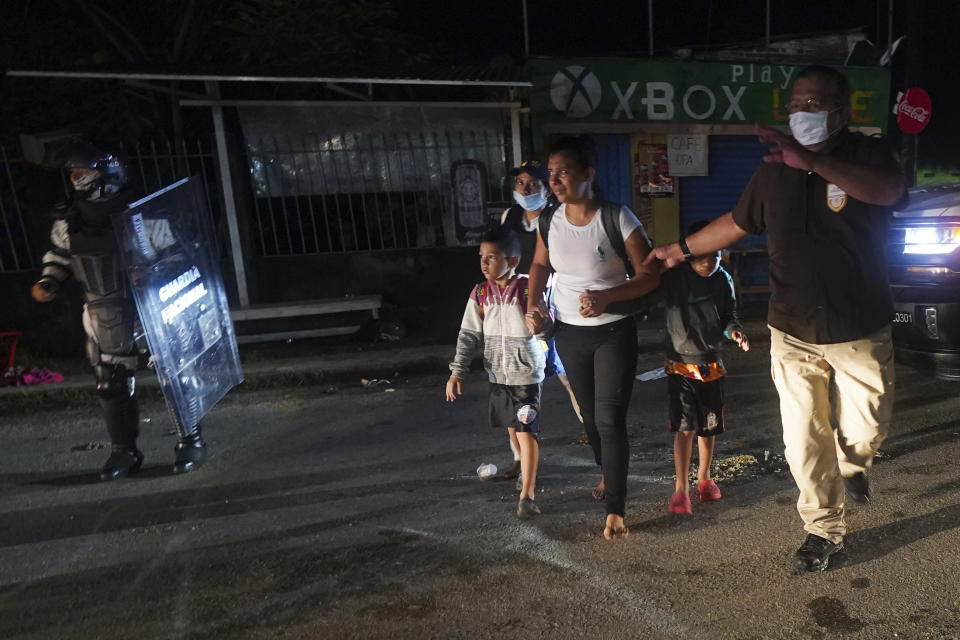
(530, 195)
(598, 348)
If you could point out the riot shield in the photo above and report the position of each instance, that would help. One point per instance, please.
(170, 259)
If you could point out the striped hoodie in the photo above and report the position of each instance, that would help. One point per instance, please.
(493, 323)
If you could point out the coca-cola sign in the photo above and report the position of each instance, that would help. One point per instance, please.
(912, 110)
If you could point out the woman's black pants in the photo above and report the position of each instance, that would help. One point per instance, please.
(601, 362)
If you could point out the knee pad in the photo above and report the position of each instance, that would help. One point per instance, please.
(114, 381)
(111, 325)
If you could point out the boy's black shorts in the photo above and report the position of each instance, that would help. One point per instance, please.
(695, 405)
(516, 406)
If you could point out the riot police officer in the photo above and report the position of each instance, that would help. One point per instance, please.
(85, 246)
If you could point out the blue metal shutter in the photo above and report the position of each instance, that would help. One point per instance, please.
(733, 160)
(613, 167)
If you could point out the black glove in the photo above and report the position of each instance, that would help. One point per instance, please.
(49, 285)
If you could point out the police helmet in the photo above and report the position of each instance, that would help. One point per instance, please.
(104, 175)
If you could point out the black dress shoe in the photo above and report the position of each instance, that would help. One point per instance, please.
(814, 554)
(858, 487)
(190, 453)
(123, 461)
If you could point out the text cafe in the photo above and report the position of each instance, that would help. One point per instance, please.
(675, 139)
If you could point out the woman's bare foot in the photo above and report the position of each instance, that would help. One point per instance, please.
(599, 492)
(616, 529)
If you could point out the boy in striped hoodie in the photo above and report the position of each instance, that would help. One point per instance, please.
(493, 323)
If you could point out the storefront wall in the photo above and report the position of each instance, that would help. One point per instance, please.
(672, 202)
(638, 105)
(732, 161)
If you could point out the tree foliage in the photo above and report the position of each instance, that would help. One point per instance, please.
(355, 35)
(297, 36)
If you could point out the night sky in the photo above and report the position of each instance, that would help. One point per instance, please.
(476, 31)
(619, 27)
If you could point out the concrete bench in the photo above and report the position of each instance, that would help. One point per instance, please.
(371, 303)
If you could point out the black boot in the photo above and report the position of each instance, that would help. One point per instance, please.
(190, 452)
(123, 461)
(122, 415)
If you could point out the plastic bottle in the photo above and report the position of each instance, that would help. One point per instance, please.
(486, 471)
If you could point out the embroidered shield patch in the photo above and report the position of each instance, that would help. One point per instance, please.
(836, 197)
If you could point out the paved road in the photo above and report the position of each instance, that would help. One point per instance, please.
(355, 512)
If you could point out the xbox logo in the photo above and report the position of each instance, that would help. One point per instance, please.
(575, 91)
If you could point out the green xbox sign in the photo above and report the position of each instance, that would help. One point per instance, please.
(623, 91)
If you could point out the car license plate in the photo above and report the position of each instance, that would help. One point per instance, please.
(902, 317)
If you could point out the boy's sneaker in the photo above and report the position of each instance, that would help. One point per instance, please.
(858, 487)
(527, 508)
(814, 554)
(708, 491)
(680, 504)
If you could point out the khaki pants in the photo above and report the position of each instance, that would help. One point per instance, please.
(862, 375)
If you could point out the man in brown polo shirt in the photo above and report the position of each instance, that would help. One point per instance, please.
(823, 197)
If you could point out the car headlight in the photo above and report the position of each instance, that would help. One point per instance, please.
(931, 240)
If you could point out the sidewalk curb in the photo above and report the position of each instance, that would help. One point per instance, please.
(349, 368)
(261, 375)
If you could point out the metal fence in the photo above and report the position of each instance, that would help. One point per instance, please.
(15, 250)
(311, 196)
(153, 165)
(365, 192)
(150, 166)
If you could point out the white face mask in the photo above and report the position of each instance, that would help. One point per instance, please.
(809, 127)
(532, 202)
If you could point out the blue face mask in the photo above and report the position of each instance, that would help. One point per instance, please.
(532, 202)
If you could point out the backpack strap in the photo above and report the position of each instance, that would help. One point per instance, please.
(511, 217)
(482, 295)
(546, 217)
(610, 217)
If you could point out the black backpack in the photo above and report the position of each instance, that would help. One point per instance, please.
(610, 218)
(512, 221)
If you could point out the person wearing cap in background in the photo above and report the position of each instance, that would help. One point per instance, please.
(531, 197)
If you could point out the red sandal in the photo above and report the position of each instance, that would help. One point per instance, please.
(708, 491)
(680, 504)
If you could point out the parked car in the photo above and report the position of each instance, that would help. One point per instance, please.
(924, 258)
